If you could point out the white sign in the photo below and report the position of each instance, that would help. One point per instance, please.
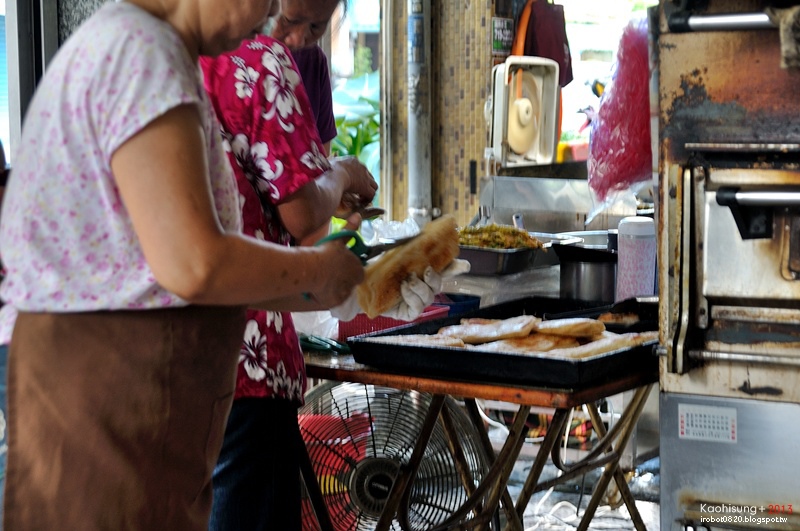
(707, 423)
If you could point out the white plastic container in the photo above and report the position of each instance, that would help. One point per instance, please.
(636, 259)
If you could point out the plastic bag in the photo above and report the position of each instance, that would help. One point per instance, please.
(620, 150)
(320, 323)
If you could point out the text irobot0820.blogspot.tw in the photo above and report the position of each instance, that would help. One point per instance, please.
(713, 513)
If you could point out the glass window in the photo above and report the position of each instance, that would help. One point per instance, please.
(594, 30)
(355, 71)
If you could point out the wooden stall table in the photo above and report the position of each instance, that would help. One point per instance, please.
(491, 493)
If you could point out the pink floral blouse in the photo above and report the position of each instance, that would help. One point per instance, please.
(274, 148)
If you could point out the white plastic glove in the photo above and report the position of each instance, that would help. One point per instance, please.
(417, 294)
(347, 310)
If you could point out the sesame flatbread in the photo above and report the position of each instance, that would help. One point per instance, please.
(573, 327)
(533, 343)
(604, 346)
(420, 340)
(474, 334)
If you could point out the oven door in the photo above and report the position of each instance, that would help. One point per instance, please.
(728, 142)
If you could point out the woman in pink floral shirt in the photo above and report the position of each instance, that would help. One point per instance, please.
(288, 190)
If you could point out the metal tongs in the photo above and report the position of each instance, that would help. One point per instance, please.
(362, 250)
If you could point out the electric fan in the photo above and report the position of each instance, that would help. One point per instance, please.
(359, 436)
(523, 111)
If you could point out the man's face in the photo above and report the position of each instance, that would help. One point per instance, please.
(301, 23)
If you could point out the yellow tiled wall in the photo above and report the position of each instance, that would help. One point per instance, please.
(461, 51)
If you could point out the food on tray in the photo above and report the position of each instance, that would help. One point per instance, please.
(475, 333)
(573, 338)
(573, 327)
(602, 346)
(535, 342)
(497, 237)
(420, 340)
(479, 320)
(624, 319)
(436, 246)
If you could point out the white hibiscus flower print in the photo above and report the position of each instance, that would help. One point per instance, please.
(315, 158)
(227, 139)
(253, 354)
(275, 319)
(257, 169)
(246, 77)
(280, 81)
(281, 382)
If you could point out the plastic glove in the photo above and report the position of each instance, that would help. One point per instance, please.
(417, 294)
(456, 267)
(348, 309)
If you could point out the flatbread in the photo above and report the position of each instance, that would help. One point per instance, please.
(624, 319)
(605, 345)
(520, 326)
(420, 340)
(479, 320)
(436, 246)
(572, 327)
(533, 343)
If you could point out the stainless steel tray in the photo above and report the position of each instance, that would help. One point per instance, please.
(485, 261)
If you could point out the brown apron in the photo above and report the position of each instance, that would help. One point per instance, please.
(116, 419)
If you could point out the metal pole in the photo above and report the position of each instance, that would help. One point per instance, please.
(419, 105)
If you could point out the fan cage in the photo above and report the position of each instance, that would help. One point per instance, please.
(360, 436)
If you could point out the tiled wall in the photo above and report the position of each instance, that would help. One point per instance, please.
(461, 50)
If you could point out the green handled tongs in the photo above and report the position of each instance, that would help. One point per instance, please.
(361, 249)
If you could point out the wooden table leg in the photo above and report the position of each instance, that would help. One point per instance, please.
(551, 438)
(514, 522)
(494, 481)
(630, 417)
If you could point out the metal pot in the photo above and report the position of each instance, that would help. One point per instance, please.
(589, 267)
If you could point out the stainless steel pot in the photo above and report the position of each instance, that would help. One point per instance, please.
(589, 267)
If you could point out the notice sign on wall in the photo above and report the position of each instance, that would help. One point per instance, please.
(502, 35)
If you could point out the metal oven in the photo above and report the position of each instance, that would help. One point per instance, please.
(729, 267)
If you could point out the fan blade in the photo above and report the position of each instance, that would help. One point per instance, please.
(524, 114)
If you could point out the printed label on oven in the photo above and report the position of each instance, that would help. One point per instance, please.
(707, 423)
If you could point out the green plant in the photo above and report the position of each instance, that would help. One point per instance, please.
(356, 131)
(358, 121)
(362, 61)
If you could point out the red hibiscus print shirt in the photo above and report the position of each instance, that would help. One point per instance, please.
(274, 148)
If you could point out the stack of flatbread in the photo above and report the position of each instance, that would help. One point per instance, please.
(573, 338)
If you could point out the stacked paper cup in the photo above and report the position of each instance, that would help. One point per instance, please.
(636, 258)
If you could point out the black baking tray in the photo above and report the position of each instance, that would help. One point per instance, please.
(501, 367)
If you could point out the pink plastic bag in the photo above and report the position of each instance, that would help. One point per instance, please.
(619, 147)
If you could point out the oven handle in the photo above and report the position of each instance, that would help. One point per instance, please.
(684, 21)
(755, 198)
(737, 357)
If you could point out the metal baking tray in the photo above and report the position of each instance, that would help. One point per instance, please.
(485, 261)
(500, 367)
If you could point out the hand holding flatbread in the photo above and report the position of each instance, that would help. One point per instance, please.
(435, 247)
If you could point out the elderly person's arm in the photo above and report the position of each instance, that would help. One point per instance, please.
(164, 185)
